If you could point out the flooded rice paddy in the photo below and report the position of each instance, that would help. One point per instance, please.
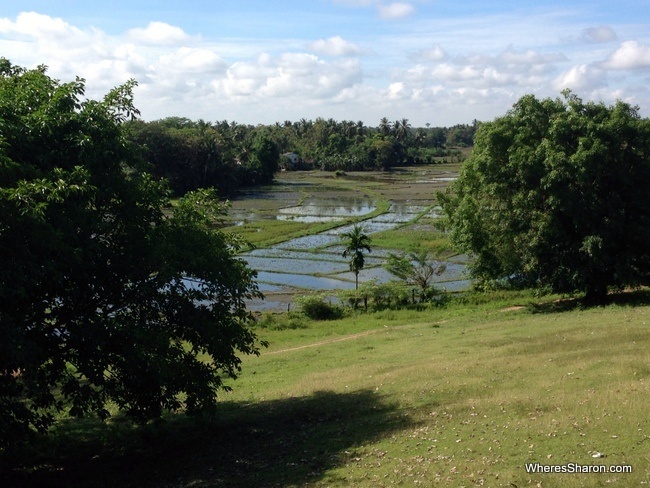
(315, 262)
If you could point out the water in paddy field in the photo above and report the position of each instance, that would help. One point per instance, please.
(314, 263)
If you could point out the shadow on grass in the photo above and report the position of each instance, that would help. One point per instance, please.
(275, 443)
(630, 298)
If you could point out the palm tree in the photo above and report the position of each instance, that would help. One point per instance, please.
(384, 126)
(402, 129)
(356, 241)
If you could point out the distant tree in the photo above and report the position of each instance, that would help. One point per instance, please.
(108, 294)
(190, 157)
(420, 137)
(382, 152)
(402, 130)
(416, 268)
(356, 242)
(555, 195)
(264, 160)
(384, 127)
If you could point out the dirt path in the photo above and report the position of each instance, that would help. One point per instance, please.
(323, 343)
(344, 338)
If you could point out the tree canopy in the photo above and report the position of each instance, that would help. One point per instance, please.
(108, 294)
(555, 195)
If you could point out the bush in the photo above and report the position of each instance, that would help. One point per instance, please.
(392, 296)
(317, 308)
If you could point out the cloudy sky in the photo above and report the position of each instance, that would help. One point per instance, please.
(259, 61)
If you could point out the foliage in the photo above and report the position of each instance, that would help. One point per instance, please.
(555, 196)
(190, 156)
(226, 155)
(416, 268)
(392, 295)
(263, 163)
(377, 296)
(108, 294)
(356, 241)
(318, 307)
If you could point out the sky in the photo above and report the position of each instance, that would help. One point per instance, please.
(435, 62)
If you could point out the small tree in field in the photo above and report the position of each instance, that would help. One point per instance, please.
(356, 242)
(555, 195)
(416, 268)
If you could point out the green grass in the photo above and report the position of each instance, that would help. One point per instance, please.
(409, 238)
(461, 396)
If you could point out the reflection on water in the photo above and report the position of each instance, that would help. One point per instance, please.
(309, 219)
(304, 281)
(331, 209)
(315, 262)
(298, 266)
(309, 242)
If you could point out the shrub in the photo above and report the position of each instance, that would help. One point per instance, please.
(316, 307)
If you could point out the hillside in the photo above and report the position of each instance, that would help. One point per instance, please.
(461, 396)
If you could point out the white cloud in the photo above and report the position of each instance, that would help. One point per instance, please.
(582, 77)
(32, 25)
(335, 46)
(395, 10)
(289, 75)
(158, 33)
(601, 33)
(193, 60)
(520, 70)
(630, 55)
(396, 91)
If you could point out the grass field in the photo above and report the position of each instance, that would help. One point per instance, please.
(466, 395)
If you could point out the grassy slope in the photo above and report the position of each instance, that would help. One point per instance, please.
(463, 396)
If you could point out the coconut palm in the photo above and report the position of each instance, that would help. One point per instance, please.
(356, 241)
(402, 129)
(384, 126)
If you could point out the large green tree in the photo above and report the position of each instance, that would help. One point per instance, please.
(555, 195)
(107, 293)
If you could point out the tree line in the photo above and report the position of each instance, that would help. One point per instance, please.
(227, 155)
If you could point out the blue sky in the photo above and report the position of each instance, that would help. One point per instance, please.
(430, 61)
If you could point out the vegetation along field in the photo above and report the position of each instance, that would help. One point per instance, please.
(463, 396)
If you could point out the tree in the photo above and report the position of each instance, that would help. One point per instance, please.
(402, 130)
(555, 196)
(416, 268)
(384, 127)
(107, 293)
(264, 160)
(356, 241)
